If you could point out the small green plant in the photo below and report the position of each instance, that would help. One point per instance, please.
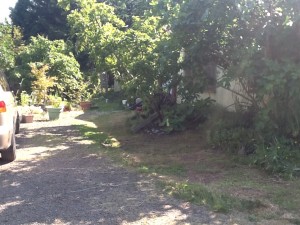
(86, 96)
(42, 82)
(55, 101)
(25, 98)
(86, 92)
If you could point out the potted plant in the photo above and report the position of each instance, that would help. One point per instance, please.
(54, 109)
(67, 107)
(40, 86)
(26, 114)
(25, 110)
(85, 103)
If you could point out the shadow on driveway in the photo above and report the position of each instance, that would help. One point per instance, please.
(58, 180)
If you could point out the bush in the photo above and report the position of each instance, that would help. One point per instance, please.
(281, 156)
(235, 140)
(235, 132)
(185, 116)
(232, 131)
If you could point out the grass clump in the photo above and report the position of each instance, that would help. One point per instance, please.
(201, 195)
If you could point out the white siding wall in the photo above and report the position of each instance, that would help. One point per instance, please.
(222, 96)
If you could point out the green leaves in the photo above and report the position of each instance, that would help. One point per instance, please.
(8, 46)
(143, 48)
(97, 31)
(42, 17)
(61, 61)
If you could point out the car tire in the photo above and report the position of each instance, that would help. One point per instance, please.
(17, 129)
(10, 153)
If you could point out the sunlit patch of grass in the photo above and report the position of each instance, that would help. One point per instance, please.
(98, 137)
(92, 133)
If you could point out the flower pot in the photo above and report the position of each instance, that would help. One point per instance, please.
(85, 105)
(54, 113)
(67, 108)
(27, 118)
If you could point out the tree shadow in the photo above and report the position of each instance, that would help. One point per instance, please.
(58, 180)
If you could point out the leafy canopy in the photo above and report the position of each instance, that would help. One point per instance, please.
(40, 17)
(62, 64)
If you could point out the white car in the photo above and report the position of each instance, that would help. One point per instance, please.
(9, 121)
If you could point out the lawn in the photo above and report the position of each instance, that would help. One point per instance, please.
(187, 168)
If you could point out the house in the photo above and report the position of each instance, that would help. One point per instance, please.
(226, 97)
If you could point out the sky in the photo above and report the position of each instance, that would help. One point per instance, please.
(4, 8)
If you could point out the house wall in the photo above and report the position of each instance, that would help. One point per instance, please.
(117, 86)
(225, 97)
(222, 96)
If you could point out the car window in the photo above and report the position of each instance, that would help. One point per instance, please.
(3, 82)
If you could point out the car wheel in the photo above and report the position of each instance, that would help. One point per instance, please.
(17, 130)
(10, 153)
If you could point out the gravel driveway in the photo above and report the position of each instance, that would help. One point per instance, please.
(57, 179)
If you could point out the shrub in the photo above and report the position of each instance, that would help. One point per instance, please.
(235, 140)
(232, 131)
(280, 156)
(185, 116)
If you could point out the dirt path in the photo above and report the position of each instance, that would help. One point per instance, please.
(56, 179)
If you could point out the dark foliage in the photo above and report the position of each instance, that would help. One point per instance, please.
(40, 17)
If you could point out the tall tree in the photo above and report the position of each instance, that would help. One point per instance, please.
(140, 54)
(40, 17)
(10, 46)
(127, 9)
(7, 47)
(256, 42)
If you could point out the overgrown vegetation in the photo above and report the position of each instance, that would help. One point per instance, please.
(235, 133)
(280, 156)
(171, 48)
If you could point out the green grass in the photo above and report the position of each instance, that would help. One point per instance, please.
(201, 195)
(102, 105)
(173, 157)
(175, 169)
(194, 193)
(93, 134)
(283, 193)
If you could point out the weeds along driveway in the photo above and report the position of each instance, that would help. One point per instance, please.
(57, 179)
